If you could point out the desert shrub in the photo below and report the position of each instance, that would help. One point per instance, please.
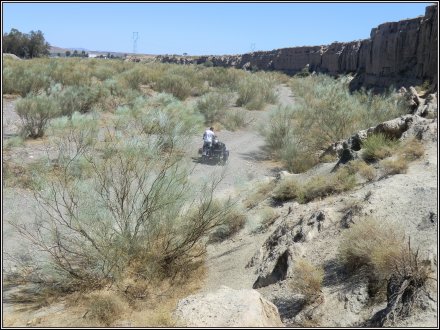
(213, 106)
(174, 84)
(297, 157)
(24, 78)
(288, 189)
(260, 193)
(394, 166)
(13, 142)
(378, 146)
(231, 223)
(77, 98)
(224, 78)
(35, 111)
(235, 119)
(208, 64)
(279, 130)
(307, 279)
(133, 78)
(316, 187)
(359, 166)
(136, 205)
(268, 216)
(255, 90)
(105, 307)
(411, 149)
(322, 186)
(325, 111)
(372, 246)
(380, 251)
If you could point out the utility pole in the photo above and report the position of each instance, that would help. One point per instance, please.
(135, 39)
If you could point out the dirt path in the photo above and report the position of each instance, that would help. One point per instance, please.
(226, 261)
(247, 161)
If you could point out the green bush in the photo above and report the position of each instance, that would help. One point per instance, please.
(255, 90)
(316, 187)
(35, 111)
(235, 119)
(77, 99)
(174, 84)
(378, 146)
(122, 201)
(213, 106)
(325, 111)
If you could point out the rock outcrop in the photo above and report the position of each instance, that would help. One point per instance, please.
(227, 307)
(275, 259)
(400, 53)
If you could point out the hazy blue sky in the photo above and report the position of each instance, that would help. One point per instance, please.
(208, 28)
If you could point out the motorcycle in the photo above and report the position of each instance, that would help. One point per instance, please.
(217, 153)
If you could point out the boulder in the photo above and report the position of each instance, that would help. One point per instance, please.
(227, 307)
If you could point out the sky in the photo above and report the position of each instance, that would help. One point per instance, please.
(201, 28)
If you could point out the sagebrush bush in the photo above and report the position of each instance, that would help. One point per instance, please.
(174, 84)
(77, 98)
(288, 189)
(279, 130)
(35, 111)
(378, 146)
(307, 279)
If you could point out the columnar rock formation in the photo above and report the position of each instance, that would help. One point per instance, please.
(400, 53)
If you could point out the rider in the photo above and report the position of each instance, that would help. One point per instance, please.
(208, 138)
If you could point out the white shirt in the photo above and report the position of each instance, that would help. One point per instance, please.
(208, 136)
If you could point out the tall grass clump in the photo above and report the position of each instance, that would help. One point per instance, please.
(35, 111)
(411, 149)
(285, 142)
(307, 279)
(378, 146)
(380, 250)
(318, 186)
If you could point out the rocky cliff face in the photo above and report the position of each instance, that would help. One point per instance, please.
(398, 53)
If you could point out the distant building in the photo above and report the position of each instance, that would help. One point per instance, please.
(95, 55)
